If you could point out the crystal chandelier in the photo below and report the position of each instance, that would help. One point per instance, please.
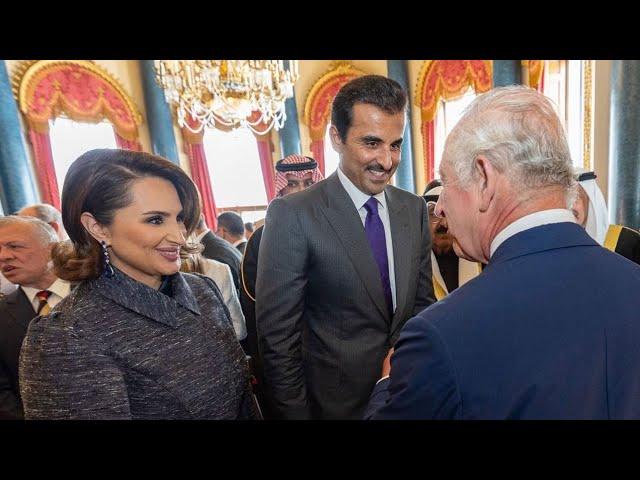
(233, 93)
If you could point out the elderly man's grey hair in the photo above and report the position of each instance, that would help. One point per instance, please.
(45, 212)
(518, 130)
(45, 232)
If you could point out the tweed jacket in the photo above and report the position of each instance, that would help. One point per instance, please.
(118, 349)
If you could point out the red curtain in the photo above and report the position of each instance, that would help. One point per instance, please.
(428, 133)
(317, 152)
(125, 144)
(266, 164)
(45, 170)
(200, 176)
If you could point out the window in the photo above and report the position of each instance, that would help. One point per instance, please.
(71, 139)
(235, 172)
(331, 158)
(563, 84)
(447, 115)
(250, 215)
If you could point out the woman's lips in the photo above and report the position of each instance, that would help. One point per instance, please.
(171, 254)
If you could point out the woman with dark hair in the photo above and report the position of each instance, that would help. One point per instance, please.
(136, 339)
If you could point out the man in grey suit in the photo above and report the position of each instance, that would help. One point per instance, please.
(343, 265)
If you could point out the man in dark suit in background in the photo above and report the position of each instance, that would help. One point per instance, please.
(25, 254)
(342, 264)
(219, 249)
(294, 173)
(549, 330)
(231, 228)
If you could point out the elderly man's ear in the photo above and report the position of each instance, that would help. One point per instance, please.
(488, 177)
(579, 212)
(580, 206)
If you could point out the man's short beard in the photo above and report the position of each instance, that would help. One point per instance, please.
(440, 249)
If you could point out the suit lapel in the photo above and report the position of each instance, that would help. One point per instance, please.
(19, 307)
(346, 222)
(402, 248)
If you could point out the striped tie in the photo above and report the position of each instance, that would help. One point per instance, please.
(43, 307)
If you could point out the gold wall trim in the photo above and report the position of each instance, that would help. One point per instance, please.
(25, 73)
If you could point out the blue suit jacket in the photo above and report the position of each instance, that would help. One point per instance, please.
(549, 330)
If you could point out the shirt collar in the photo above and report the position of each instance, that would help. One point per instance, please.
(358, 197)
(145, 300)
(544, 217)
(59, 287)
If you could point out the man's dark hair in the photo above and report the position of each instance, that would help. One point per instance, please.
(249, 226)
(376, 90)
(232, 222)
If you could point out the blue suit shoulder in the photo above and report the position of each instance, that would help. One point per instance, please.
(424, 383)
(548, 330)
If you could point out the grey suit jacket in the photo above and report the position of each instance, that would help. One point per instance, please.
(323, 326)
(15, 314)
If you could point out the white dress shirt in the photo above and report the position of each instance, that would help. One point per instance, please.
(544, 217)
(359, 198)
(59, 289)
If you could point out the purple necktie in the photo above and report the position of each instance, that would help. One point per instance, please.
(375, 234)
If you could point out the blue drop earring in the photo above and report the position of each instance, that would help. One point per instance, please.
(109, 272)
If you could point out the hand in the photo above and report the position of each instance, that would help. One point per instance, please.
(386, 364)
